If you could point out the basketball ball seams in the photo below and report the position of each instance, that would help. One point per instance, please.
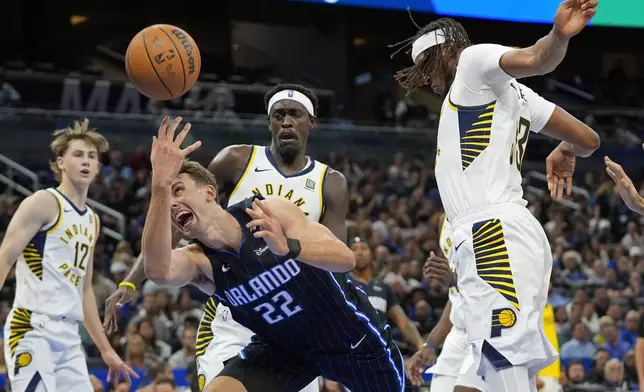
(183, 67)
(147, 53)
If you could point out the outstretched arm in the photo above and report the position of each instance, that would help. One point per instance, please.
(548, 52)
(280, 219)
(162, 263)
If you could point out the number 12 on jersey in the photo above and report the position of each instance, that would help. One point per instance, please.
(518, 147)
(287, 308)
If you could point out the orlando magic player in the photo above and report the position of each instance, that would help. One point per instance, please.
(278, 272)
(501, 253)
(52, 237)
(283, 170)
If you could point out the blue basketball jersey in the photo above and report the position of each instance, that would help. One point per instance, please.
(289, 303)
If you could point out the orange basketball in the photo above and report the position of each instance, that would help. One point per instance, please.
(163, 62)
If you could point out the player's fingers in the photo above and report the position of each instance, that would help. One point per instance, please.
(259, 222)
(612, 175)
(182, 135)
(615, 167)
(262, 206)
(550, 178)
(569, 185)
(162, 128)
(560, 189)
(252, 213)
(262, 234)
(109, 375)
(589, 13)
(191, 148)
(172, 127)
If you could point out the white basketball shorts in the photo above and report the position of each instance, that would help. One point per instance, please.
(43, 354)
(446, 371)
(503, 261)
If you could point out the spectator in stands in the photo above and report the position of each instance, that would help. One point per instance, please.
(610, 337)
(565, 333)
(116, 167)
(157, 374)
(599, 361)
(628, 333)
(121, 386)
(186, 355)
(590, 317)
(160, 351)
(575, 375)
(614, 374)
(630, 371)
(579, 346)
(135, 353)
(167, 385)
(151, 311)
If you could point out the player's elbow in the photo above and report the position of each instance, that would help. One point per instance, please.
(347, 260)
(590, 141)
(157, 273)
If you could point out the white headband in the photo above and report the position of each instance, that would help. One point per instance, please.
(293, 96)
(426, 41)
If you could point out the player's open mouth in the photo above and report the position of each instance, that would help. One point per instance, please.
(85, 172)
(183, 218)
(287, 136)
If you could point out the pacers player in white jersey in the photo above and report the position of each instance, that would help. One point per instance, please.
(450, 331)
(283, 169)
(501, 253)
(51, 237)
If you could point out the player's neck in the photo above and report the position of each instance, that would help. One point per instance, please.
(296, 166)
(77, 194)
(362, 276)
(224, 231)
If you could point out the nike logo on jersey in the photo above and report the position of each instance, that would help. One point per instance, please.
(353, 346)
(458, 246)
(258, 170)
(67, 209)
(225, 268)
(261, 251)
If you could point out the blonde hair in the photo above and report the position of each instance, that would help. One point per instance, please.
(78, 131)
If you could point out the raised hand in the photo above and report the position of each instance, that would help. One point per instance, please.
(573, 15)
(624, 186)
(560, 167)
(167, 155)
(270, 228)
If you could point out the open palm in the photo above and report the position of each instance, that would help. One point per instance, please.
(573, 15)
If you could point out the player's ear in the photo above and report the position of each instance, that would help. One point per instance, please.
(59, 163)
(312, 121)
(211, 193)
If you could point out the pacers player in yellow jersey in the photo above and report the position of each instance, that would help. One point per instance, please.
(52, 237)
(282, 169)
(502, 256)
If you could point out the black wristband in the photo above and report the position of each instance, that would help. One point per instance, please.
(294, 248)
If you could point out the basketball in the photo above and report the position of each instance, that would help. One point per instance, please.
(163, 62)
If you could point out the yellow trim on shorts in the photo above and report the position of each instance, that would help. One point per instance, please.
(249, 164)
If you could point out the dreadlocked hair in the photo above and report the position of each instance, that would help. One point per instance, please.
(456, 39)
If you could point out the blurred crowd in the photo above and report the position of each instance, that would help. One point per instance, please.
(596, 286)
